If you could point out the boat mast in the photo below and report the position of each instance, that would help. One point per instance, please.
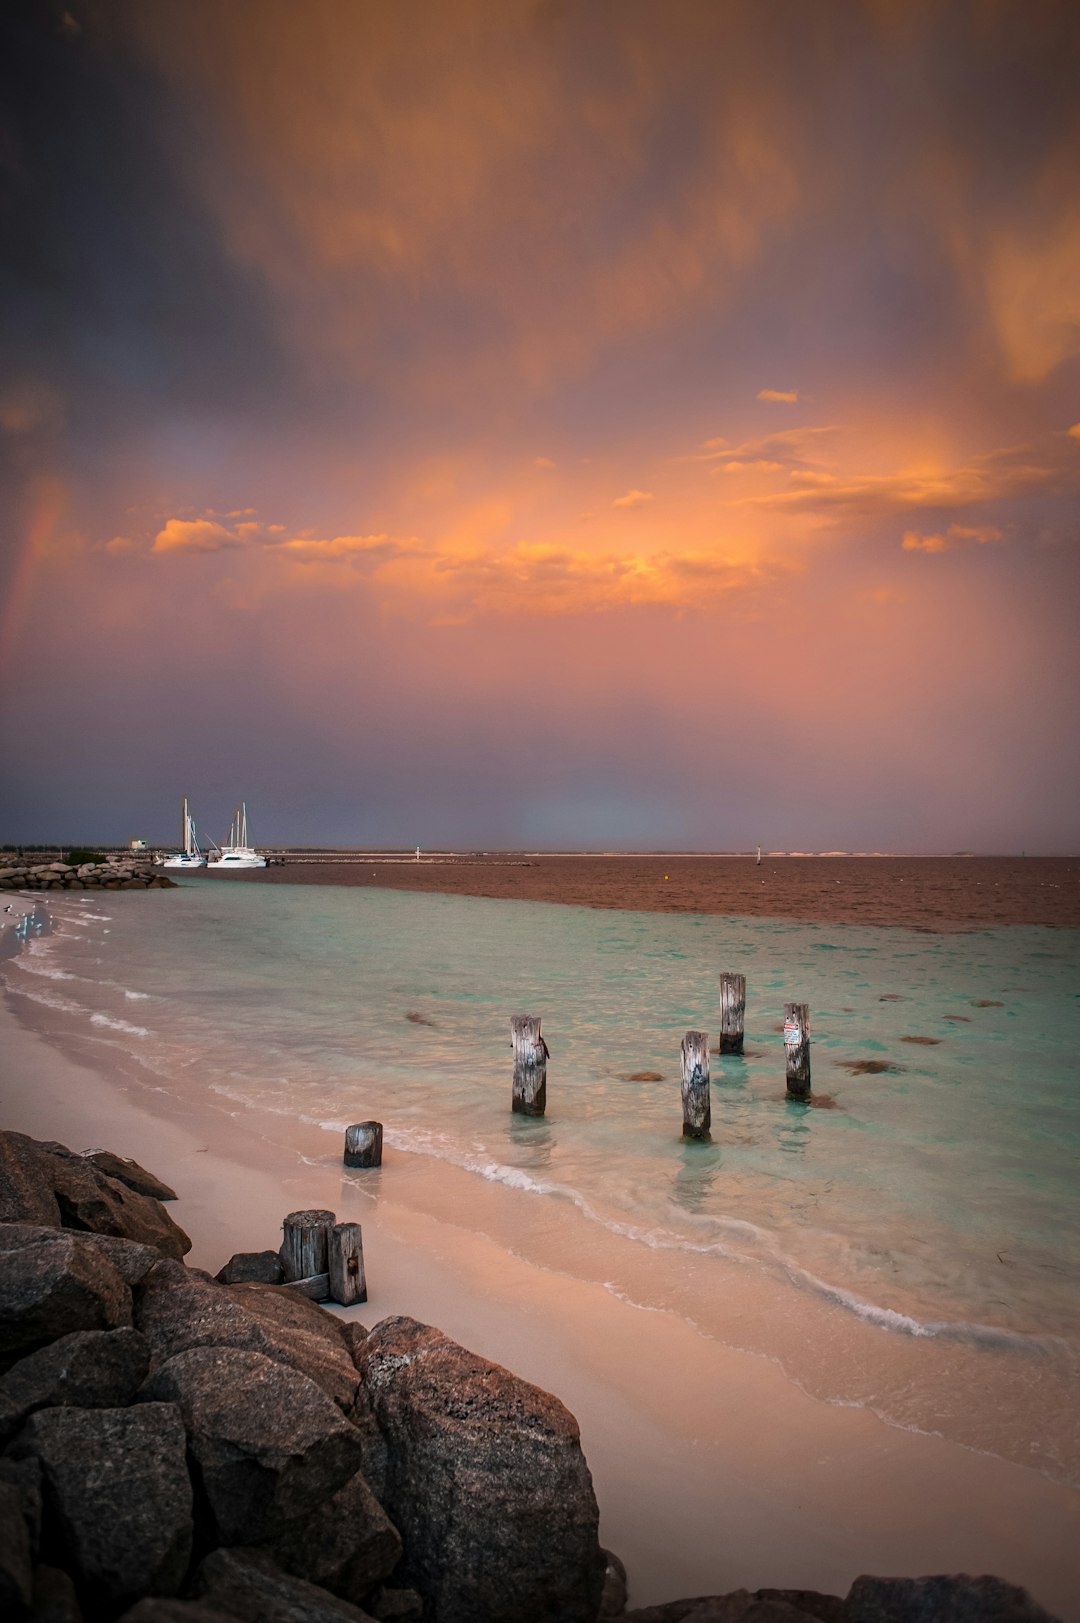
(185, 828)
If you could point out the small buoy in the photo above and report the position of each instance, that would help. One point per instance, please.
(665, 876)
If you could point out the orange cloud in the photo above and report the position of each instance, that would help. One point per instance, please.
(634, 498)
(957, 535)
(1074, 431)
(543, 462)
(546, 579)
(371, 549)
(832, 495)
(783, 397)
(193, 535)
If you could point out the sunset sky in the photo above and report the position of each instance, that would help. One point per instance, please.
(581, 423)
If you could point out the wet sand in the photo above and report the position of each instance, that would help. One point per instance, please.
(927, 893)
(712, 1469)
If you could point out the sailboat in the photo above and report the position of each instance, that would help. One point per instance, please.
(238, 853)
(190, 855)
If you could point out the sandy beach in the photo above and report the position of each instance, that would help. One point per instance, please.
(712, 1469)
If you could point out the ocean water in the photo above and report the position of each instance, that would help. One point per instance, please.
(910, 1242)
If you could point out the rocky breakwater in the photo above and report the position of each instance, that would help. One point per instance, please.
(115, 873)
(181, 1449)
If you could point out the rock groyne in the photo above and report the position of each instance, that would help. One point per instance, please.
(114, 873)
(176, 1448)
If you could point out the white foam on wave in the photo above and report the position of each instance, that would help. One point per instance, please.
(118, 1025)
(440, 1146)
(29, 966)
(47, 1002)
(136, 997)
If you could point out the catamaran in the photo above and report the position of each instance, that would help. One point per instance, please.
(190, 855)
(238, 853)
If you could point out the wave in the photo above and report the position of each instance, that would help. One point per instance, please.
(61, 1003)
(971, 1332)
(118, 1025)
(29, 966)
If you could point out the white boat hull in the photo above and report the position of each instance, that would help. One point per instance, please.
(229, 860)
(182, 861)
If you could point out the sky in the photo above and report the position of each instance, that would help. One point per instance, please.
(541, 423)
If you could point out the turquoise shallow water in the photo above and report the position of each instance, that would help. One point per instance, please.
(937, 1200)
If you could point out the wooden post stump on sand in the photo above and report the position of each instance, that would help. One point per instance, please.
(304, 1244)
(797, 1049)
(347, 1282)
(696, 1108)
(363, 1144)
(530, 1065)
(732, 1012)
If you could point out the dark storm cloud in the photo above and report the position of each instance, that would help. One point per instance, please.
(114, 289)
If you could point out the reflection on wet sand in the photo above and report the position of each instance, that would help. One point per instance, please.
(697, 1174)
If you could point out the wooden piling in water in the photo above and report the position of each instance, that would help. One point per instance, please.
(363, 1144)
(696, 1106)
(732, 1012)
(530, 1065)
(304, 1244)
(347, 1281)
(797, 1049)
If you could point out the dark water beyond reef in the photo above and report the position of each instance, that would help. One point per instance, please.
(930, 893)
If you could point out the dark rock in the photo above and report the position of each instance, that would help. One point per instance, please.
(16, 1562)
(177, 1311)
(130, 1173)
(305, 1336)
(270, 1445)
(159, 1609)
(826, 1608)
(957, 1599)
(374, 1451)
(48, 1183)
(55, 1600)
(26, 1194)
(88, 1199)
(247, 1584)
(53, 1283)
(741, 1606)
(90, 1369)
(613, 1598)
(252, 1268)
(354, 1334)
(118, 1496)
(347, 1545)
(25, 1477)
(131, 1260)
(397, 1606)
(485, 1481)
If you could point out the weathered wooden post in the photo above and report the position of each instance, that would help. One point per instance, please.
(797, 1049)
(346, 1258)
(363, 1144)
(696, 1107)
(530, 1065)
(732, 1012)
(304, 1244)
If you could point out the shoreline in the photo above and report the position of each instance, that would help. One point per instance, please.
(713, 1470)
